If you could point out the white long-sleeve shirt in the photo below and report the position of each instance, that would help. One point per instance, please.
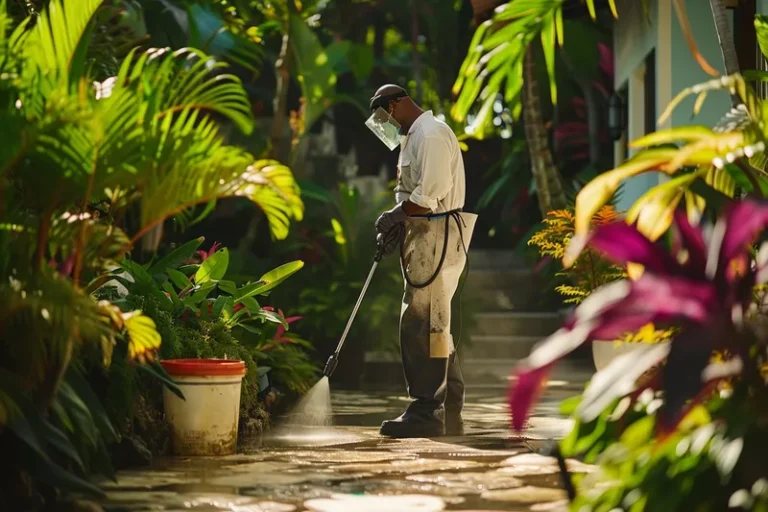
(430, 170)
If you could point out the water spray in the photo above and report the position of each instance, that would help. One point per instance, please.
(313, 412)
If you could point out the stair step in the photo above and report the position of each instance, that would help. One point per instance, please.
(495, 259)
(496, 301)
(514, 323)
(500, 347)
(503, 290)
(484, 278)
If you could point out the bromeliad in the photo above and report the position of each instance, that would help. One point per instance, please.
(704, 287)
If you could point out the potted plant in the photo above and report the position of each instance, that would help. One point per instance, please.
(589, 272)
(219, 331)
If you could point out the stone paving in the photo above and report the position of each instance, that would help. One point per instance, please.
(351, 468)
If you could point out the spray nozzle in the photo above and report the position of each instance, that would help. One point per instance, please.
(330, 365)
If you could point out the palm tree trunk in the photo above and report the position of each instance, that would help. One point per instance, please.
(280, 102)
(549, 188)
(727, 45)
(725, 36)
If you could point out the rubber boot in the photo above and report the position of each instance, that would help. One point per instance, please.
(425, 376)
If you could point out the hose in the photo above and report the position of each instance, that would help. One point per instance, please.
(456, 216)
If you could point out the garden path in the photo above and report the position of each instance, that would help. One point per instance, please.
(488, 468)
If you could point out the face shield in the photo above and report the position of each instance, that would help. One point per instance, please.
(381, 123)
(385, 128)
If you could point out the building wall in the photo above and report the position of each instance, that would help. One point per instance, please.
(686, 71)
(676, 69)
(635, 35)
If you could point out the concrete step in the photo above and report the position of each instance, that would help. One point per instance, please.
(492, 279)
(500, 300)
(500, 347)
(514, 323)
(495, 259)
(504, 290)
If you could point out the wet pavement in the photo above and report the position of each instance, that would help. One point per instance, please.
(351, 468)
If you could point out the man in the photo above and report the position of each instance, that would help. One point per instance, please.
(434, 233)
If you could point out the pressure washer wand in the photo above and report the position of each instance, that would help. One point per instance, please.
(333, 361)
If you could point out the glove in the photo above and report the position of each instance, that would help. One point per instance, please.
(390, 219)
(387, 245)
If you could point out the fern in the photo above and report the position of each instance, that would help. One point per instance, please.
(590, 271)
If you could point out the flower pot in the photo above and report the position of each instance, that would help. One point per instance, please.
(206, 422)
(604, 352)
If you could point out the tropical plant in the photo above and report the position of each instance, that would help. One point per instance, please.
(590, 271)
(681, 425)
(706, 287)
(500, 60)
(705, 164)
(708, 463)
(197, 296)
(81, 161)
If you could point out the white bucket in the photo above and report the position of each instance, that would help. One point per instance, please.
(206, 422)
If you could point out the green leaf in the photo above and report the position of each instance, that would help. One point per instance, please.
(251, 303)
(189, 270)
(218, 306)
(639, 433)
(313, 69)
(89, 398)
(57, 40)
(271, 316)
(549, 44)
(82, 420)
(716, 200)
(269, 280)
(168, 287)
(228, 286)
(213, 268)
(199, 295)
(176, 257)
(180, 280)
(139, 273)
(157, 371)
(361, 61)
(43, 469)
(250, 328)
(337, 55)
(761, 27)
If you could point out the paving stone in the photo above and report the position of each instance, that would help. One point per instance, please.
(552, 506)
(347, 503)
(404, 467)
(527, 494)
(344, 457)
(171, 501)
(475, 483)
(488, 469)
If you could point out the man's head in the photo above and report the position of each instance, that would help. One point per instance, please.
(397, 103)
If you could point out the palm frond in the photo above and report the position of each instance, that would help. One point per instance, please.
(186, 79)
(56, 46)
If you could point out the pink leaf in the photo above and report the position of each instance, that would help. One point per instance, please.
(525, 392)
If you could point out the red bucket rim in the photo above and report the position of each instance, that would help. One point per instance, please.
(204, 367)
